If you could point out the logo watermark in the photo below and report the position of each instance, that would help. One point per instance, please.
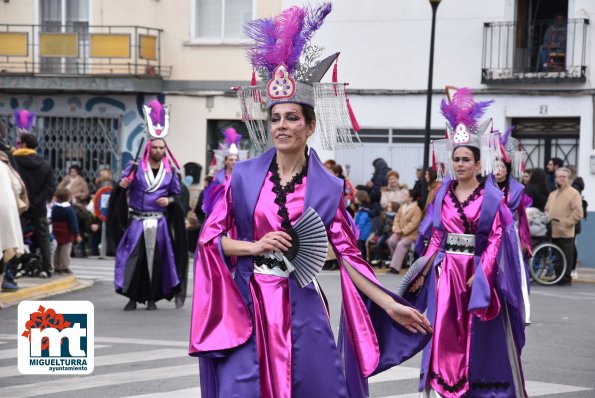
(56, 337)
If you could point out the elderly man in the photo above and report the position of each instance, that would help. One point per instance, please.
(564, 206)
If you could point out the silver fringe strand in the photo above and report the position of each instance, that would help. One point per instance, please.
(254, 114)
(333, 122)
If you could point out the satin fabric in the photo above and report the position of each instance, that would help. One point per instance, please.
(223, 332)
(516, 204)
(449, 356)
(142, 201)
(470, 348)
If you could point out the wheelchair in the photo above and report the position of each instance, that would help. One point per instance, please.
(548, 264)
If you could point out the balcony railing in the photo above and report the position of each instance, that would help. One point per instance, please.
(80, 49)
(540, 51)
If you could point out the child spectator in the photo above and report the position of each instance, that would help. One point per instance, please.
(363, 221)
(387, 218)
(65, 228)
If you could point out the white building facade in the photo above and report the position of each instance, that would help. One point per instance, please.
(493, 47)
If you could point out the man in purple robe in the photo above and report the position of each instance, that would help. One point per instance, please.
(151, 260)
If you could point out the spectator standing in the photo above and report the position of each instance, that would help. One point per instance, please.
(348, 188)
(76, 185)
(329, 164)
(404, 231)
(554, 41)
(420, 188)
(363, 221)
(565, 208)
(578, 184)
(551, 168)
(65, 228)
(38, 176)
(526, 177)
(394, 191)
(433, 187)
(11, 236)
(537, 189)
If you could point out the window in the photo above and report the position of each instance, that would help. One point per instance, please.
(65, 16)
(220, 20)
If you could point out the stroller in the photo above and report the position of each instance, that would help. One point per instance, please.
(548, 264)
(30, 263)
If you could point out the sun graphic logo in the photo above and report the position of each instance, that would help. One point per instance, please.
(56, 337)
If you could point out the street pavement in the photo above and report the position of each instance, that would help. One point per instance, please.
(143, 354)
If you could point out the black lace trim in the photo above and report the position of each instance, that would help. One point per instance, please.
(449, 387)
(459, 248)
(461, 206)
(281, 191)
(495, 385)
(270, 263)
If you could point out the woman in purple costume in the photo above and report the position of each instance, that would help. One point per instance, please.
(256, 331)
(471, 284)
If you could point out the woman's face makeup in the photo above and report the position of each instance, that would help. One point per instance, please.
(289, 129)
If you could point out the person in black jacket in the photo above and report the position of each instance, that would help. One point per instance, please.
(537, 189)
(38, 176)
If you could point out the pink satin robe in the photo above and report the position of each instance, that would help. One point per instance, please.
(449, 363)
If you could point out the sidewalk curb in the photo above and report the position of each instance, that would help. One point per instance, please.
(47, 289)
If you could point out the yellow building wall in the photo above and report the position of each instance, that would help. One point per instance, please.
(190, 61)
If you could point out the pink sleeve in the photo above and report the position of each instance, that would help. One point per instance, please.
(490, 269)
(220, 317)
(359, 325)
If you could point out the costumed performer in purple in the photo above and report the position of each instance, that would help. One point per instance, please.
(152, 254)
(471, 283)
(510, 170)
(256, 331)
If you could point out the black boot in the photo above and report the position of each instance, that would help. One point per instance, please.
(151, 305)
(130, 306)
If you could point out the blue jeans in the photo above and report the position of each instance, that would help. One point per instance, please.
(379, 244)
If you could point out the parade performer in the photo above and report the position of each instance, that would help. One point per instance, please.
(152, 254)
(510, 171)
(258, 333)
(470, 284)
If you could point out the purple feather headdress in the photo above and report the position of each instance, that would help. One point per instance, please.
(231, 136)
(283, 39)
(23, 120)
(157, 113)
(463, 109)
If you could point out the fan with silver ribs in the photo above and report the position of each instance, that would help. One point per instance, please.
(309, 244)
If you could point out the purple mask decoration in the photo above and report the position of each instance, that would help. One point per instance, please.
(23, 119)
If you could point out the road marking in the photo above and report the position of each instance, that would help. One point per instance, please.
(564, 295)
(395, 373)
(538, 388)
(534, 389)
(10, 353)
(89, 382)
(117, 340)
(116, 359)
(186, 393)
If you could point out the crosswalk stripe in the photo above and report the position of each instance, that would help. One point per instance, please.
(534, 389)
(88, 382)
(115, 359)
(186, 393)
(395, 373)
(10, 353)
(538, 388)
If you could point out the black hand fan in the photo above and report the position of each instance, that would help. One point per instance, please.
(309, 245)
(412, 274)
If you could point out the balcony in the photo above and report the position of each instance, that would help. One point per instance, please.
(81, 57)
(537, 52)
